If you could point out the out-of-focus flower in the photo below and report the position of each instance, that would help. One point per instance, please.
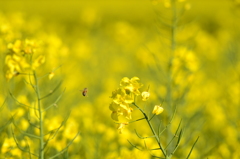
(15, 47)
(23, 47)
(14, 64)
(39, 61)
(51, 74)
(145, 95)
(167, 4)
(121, 126)
(29, 46)
(16, 60)
(185, 59)
(187, 6)
(157, 110)
(9, 144)
(71, 129)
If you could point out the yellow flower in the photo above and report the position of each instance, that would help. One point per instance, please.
(16, 47)
(16, 61)
(145, 95)
(131, 85)
(120, 110)
(121, 126)
(124, 96)
(51, 74)
(23, 47)
(120, 96)
(157, 110)
(39, 61)
(29, 46)
(9, 146)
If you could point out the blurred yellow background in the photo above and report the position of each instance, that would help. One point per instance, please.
(95, 44)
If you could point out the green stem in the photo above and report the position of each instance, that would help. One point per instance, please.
(173, 48)
(153, 131)
(41, 149)
(174, 25)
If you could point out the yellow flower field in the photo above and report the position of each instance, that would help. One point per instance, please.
(120, 79)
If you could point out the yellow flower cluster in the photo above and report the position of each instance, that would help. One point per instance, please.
(17, 61)
(123, 96)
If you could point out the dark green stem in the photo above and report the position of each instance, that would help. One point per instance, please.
(152, 129)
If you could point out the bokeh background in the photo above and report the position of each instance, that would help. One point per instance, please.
(97, 43)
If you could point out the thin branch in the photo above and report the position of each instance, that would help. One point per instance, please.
(18, 145)
(178, 142)
(3, 104)
(134, 145)
(155, 149)
(159, 127)
(136, 120)
(153, 131)
(4, 126)
(65, 149)
(21, 104)
(36, 111)
(23, 132)
(29, 121)
(49, 94)
(56, 101)
(175, 135)
(54, 132)
(30, 81)
(156, 156)
(151, 117)
(141, 136)
(29, 149)
(48, 73)
(192, 148)
(170, 122)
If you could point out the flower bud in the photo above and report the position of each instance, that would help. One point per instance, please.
(157, 110)
(121, 126)
(145, 95)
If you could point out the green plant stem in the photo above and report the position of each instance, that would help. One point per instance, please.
(173, 48)
(174, 25)
(41, 149)
(153, 131)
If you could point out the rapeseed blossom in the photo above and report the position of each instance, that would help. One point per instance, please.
(17, 61)
(123, 97)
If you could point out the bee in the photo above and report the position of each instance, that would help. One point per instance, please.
(84, 92)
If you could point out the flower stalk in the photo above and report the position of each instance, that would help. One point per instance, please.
(41, 144)
(152, 129)
(25, 58)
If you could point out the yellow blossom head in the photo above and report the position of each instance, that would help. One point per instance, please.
(157, 110)
(145, 95)
(123, 97)
(131, 85)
